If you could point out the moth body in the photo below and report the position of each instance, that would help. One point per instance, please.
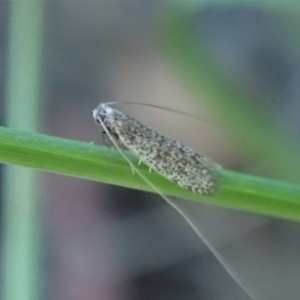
(167, 157)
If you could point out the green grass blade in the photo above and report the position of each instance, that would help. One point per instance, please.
(78, 159)
(21, 198)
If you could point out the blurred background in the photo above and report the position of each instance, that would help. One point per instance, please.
(96, 241)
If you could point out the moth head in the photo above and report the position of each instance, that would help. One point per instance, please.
(101, 113)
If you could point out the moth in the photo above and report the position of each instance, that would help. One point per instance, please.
(169, 158)
(178, 163)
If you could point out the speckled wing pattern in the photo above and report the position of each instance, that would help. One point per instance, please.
(167, 157)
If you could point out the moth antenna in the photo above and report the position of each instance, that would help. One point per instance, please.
(172, 110)
(189, 221)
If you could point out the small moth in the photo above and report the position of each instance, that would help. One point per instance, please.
(167, 157)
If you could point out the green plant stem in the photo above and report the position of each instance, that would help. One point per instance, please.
(78, 159)
(22, 278)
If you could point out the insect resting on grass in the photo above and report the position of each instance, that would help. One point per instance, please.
(169, 158)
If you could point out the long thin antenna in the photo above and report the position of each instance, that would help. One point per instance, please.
(172, 110)
(215, 252)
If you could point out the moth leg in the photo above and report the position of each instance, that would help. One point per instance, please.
(132, 170)
(121, 146)
(140, 161)
(105, 139)
(111, 155)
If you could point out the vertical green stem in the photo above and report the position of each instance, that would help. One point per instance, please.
(21, 253)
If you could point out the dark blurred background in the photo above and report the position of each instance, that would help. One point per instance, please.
(105, 242)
